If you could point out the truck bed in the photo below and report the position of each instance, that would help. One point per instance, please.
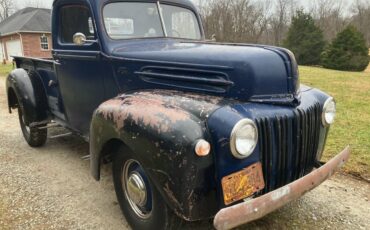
(45, 69)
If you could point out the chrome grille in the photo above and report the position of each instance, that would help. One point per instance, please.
(288, 145)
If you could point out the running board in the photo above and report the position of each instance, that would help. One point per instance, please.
(86, 158)
(53, 125)
(36, 124)
(61, 135)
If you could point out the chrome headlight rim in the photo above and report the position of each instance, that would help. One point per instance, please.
(233, 138)
(324, 121)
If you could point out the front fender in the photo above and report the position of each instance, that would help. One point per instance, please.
(162, 128)
(30, 94)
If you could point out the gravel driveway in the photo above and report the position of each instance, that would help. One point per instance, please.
(51, 188)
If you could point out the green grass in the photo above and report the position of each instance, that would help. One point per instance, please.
(5, 69)
(352, 127)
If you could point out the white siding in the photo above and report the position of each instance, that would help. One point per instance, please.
(2, 53)
(14, 48)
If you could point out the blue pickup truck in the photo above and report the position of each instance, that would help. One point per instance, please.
(194, 129)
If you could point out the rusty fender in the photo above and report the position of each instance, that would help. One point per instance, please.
(243, 213)
(161, 128)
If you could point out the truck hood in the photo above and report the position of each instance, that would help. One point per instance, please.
(238, 71)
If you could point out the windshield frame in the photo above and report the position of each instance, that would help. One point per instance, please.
(158, 4)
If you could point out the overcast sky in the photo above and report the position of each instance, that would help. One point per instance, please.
(48, 3)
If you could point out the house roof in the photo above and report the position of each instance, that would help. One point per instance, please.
(27, 20)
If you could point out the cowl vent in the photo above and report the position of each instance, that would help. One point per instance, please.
(194, 79)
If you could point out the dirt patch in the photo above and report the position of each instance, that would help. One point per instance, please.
(51, 188)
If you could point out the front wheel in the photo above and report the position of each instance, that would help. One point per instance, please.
(35, 137)
(140, 202)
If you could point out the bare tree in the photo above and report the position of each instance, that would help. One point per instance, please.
(35, 4)
(329, 16)
(6, 8)
(217, 18)
(281, 19)
(235, 20)
(361, 18)
(268, 21)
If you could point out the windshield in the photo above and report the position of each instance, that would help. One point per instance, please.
(127, 20)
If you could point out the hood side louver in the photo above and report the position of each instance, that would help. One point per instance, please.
(183, 78)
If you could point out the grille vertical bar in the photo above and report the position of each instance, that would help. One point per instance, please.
(288, 145)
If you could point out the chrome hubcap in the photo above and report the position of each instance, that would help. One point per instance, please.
(136, 189)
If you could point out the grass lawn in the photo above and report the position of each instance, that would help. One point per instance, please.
(5, 69)
(352, 126)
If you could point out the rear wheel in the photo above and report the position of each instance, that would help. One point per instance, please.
(141, 203)
(35, 137)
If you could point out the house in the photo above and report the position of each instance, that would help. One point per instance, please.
(26, 33)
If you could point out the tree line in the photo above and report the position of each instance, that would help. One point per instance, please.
(325, 35)
(268, 21)
(261, 21)
(8, 7)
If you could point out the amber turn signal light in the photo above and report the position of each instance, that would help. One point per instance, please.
(202, 148)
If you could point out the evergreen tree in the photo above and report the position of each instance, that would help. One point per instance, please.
(305, 39)
(348, 51)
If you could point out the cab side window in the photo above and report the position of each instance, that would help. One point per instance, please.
(75, 19)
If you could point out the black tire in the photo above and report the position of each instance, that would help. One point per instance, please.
(35, 137)
(161, 216)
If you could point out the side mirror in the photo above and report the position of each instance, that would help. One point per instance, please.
(213, 38)
(80, 39)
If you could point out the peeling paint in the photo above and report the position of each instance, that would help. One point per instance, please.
(278, 194)
(143, 109)
(172, 197)
(159, 110)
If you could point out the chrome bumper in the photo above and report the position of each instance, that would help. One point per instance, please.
(257, 208)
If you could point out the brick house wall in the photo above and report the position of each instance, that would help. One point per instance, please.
(31, 44)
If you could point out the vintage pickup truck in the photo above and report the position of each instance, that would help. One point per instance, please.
(195, 129)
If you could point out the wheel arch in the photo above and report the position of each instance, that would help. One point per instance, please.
(106, 155)
(12, 99)
(26, 89)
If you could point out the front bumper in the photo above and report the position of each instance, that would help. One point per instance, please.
(251, 210)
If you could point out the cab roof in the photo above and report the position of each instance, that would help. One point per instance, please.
(187, 3)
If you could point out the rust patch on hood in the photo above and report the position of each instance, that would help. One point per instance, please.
(159, 110)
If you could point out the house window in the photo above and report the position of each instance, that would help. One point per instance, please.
(44, 42)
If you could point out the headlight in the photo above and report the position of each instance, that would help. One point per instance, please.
(329, 112)
(244, 138)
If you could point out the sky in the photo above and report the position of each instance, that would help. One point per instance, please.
(42, 3)
(48, 3)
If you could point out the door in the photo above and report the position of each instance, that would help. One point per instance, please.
(14, 48)
(78, 67)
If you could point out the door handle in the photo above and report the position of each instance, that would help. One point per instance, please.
(52, 84)
(59, 61)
